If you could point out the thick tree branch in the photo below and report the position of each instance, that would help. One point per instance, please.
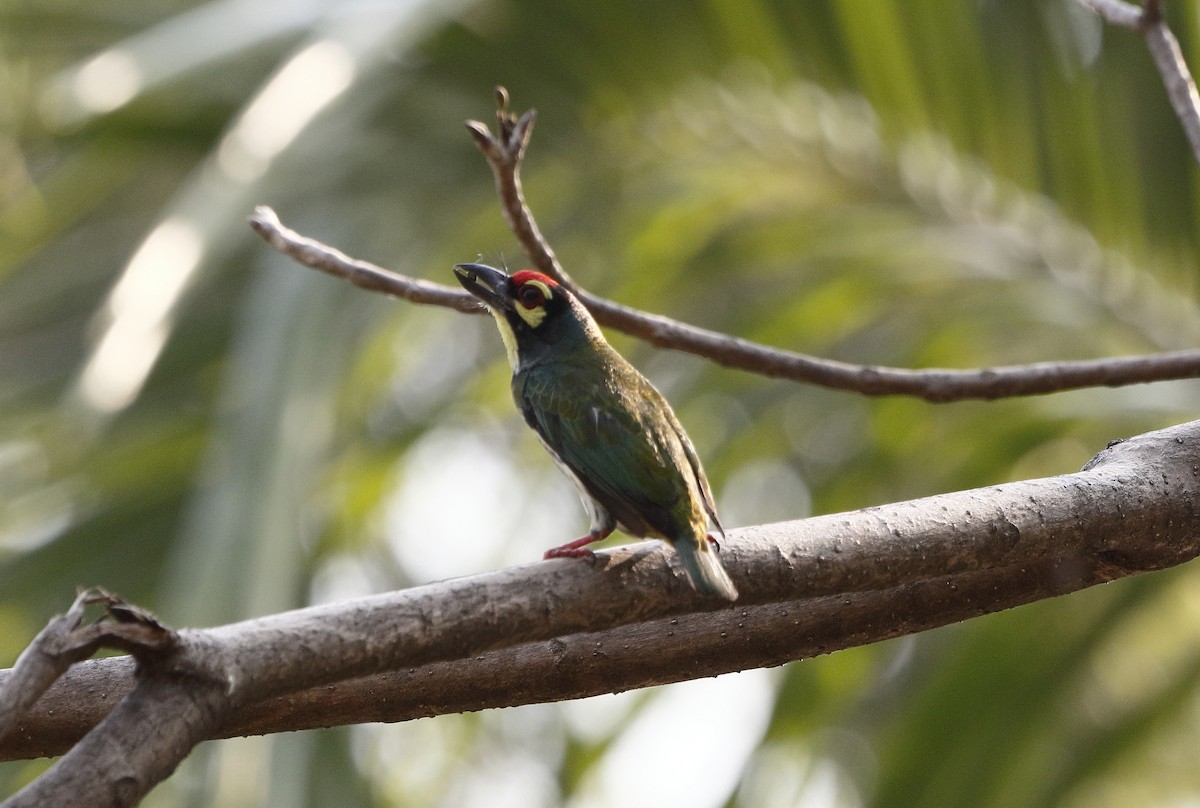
(580, 665)
(1148, 21)
(933, 384)
(138, 745)
(564, 628)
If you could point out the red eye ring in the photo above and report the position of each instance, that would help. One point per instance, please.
(530, 296)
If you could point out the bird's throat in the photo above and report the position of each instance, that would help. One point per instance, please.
(507, 336)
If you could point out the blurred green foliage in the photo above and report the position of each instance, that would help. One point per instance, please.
(194, 421)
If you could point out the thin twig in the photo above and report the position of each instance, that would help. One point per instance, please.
(360, 273)
(1181, 88)
(1116, 12)
(931, 384)
(505, 151)
(1150, 22)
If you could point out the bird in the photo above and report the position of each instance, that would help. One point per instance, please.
(607, 428)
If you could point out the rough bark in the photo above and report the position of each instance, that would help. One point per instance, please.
(565, 629)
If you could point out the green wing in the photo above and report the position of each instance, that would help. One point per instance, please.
(619, 437)
(710, 507)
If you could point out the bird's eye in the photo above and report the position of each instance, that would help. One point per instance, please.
(530, 296)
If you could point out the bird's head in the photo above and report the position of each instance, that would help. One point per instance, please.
(537, 316)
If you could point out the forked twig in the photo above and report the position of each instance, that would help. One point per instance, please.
(505, 151)
(1148, 20)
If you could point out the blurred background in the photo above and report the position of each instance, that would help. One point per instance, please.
(215, 432)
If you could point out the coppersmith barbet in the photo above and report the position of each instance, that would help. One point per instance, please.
(606, 426)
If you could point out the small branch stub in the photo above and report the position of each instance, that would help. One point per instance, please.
(507, 148)
(66, 640)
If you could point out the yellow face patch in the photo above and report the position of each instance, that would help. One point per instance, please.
(531, 301)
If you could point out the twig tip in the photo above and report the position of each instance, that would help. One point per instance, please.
(483, 138)
(264, 221)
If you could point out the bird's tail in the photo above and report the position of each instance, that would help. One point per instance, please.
(704, 569)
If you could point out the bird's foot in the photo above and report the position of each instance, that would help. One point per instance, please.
(712, 540)
(577, 548)
(567, 551)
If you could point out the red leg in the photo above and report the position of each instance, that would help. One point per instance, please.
(716, 544)
(578, 548)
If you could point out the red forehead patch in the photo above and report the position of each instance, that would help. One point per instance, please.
(524, 276)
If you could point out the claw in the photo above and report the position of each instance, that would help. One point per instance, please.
(716, 544)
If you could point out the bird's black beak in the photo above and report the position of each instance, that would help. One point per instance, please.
(486, 283)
